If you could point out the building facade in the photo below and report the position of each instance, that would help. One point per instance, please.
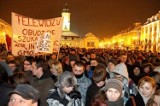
(126, 39)
(150, 34)
(89, 41)
(5, 29)
(68, 38)
(71, 39)
(139, 36)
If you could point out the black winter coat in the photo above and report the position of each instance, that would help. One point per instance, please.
(138, 100)
(92, 90)
(5, 89)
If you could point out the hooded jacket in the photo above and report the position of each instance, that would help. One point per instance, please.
(122, 70)
(129, 86)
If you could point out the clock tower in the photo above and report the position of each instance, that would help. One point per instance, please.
(66, 18)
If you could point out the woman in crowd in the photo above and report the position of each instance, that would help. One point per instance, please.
(66, 93)
(56, 69)
(111, 93)
(146, 87)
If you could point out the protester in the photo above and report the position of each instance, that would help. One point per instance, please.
(73, 56)
(66, 93)
(18, 78)
(110, 67)
(27, 69)
(53, 57)
(137, 74)
(147, 68)
(146, 87)
(66, 64)
(93, 64)
(112, 93)
(99, 77)
(130, 64)
(91, 58)
(98, 100)
(123, 58)
(13, 65)
(121, 73)
(56, 69)
(5, 86)
(93, 55)
(5, 65)
(155, 99)
(82, 80)
(156, 76)
(24, 95)
(43, 82)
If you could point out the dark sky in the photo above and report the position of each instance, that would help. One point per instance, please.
(104, 18)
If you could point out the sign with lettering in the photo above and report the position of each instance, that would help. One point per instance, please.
(27, 30)
(44, 43)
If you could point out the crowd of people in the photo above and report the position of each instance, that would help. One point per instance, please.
(81, 77)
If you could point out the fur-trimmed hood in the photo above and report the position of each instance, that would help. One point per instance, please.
(66, 79)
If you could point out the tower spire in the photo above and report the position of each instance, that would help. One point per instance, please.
(66, 18)
(66, 9)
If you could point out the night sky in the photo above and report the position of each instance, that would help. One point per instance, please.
(104, 18)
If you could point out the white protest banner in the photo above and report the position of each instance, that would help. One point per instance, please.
(44, 43)
(27, 30)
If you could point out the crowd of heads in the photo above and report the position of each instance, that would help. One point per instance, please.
(96, 77)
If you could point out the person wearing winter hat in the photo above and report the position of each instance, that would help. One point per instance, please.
(121, 73)
(112, 92)
(66, 92)
(113, 83)
(24, 95)
(66, 79)
(136, 73)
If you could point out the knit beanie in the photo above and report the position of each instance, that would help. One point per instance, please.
(113, 83)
